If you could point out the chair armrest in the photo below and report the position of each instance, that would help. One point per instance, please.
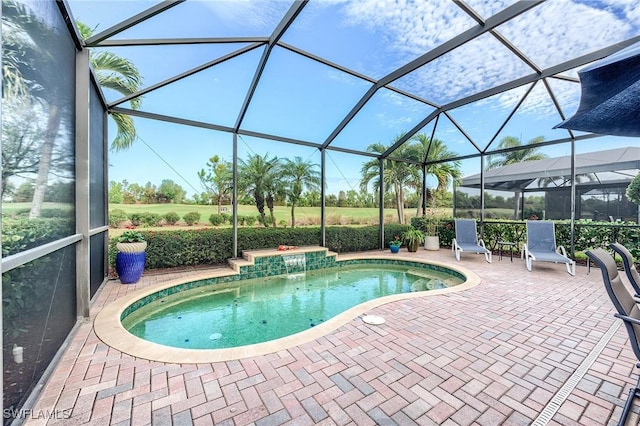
(523, 251)
(561, 250)
(481, 243)
(627, 319)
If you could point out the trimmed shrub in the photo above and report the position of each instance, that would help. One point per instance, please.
(216, 219)
(117, 217)
(171, 218)
(250, 220)
(135, 218)
(150, 219)
(191, 218)
(49, 213)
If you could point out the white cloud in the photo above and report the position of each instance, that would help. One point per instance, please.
(258, 14)
(549, 34)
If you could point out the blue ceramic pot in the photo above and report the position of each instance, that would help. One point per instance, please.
(130, 266)
(394, 249)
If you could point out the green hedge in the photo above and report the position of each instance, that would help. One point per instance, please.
(167, 249)
(25, 286)
(23, 234)
(588, 234)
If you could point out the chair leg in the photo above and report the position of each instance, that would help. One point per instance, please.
(633, 393)
(571, 268)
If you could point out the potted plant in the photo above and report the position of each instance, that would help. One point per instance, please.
(414, 237)
(131, 256)
(431, 221)
(395, 244)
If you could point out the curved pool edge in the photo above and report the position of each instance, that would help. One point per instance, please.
(109, 329)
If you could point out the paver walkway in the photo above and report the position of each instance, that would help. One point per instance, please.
(493, 355)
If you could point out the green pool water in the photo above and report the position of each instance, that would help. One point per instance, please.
(254, 311)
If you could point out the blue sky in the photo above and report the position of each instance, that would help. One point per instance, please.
(300, 98)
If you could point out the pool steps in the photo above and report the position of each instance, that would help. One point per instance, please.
(270, 262)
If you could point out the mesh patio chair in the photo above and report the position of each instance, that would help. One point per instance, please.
(628, 312)
(541, 246)
(467, 239)
(629, 267)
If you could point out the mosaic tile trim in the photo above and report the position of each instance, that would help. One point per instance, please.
(268, 266)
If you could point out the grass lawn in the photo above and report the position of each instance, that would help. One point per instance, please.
(304, 215)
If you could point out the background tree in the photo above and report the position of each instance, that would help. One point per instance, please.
(217, 179)
(526, 152)
(171, 192)
(24, 192)
(633, 190)
(299, 175)
(275, 189)
(30, 60)
(115, 192)
(149, 193)
(21, 140)
(254, 175)
(433, 152)
(397, 177)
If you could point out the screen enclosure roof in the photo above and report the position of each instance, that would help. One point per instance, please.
(343, 75)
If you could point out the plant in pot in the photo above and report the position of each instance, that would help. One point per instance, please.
(414, 237)
(431, 222)
(395, 244)
(131, 256)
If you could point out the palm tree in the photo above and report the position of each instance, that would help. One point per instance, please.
(397, 175)
(429, 151)
(256, 176)
(121, 75)
(274, 188)
(299, 175)
(528, 152)
(30, 70)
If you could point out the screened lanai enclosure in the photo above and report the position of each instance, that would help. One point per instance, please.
(398, 107)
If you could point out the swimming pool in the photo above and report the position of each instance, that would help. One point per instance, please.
(260, 310)
(109, 328)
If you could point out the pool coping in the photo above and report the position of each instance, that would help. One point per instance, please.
(109, 329)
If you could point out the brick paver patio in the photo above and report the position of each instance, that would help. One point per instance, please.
(497, 354)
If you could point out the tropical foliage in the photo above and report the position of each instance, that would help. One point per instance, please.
(267, 179)
(401, 176)
(298, 175)
(33, 80)
(633, 190)
(516, 152)
(120, 75)
(217, 179)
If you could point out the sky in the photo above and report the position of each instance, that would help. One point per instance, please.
(300, 98)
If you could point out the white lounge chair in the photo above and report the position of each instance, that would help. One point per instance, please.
(467, 239)
(541, 246)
